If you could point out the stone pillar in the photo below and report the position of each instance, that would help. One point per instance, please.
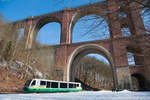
(136, 20)
(66, 37)
(135, 17)
(118, 51)
(29, 34)
(124, 77)
(114, 24)
(115, 32)
(120, 54)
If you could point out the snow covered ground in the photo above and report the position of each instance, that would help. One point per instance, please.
(84, 95)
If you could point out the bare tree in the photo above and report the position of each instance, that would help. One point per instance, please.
(8, 37)
(93, 72)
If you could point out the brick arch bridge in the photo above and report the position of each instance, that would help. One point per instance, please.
(116, 45)
(83, 50)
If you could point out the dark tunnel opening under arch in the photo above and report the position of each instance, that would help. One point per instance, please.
(140, 79)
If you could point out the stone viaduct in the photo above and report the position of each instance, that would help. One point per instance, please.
(114, 49)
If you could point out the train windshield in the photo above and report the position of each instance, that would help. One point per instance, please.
(28, 82)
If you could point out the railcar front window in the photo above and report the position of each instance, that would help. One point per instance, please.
(33, 83)
(28, 82)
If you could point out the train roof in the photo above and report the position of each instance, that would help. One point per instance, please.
(55, 81)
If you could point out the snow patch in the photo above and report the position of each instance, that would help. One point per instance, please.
(84, 95)
(3, 64)
(125, 91)
(18, 65)
(38, 73)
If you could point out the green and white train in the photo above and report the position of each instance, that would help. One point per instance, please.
(43, 85)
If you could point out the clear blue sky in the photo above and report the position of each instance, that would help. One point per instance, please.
(20, 9)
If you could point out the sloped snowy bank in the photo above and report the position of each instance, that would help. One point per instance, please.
(84, 95)
(17, 65)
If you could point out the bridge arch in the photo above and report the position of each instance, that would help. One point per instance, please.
(82, 51)
(40, 23)
(97, 11)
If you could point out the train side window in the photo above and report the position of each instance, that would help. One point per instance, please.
(77, 85)
(54, 85)
(33, 83)
(48, 85)
(42, 82)
(63, 85)
(74, 85)
(70, 85)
